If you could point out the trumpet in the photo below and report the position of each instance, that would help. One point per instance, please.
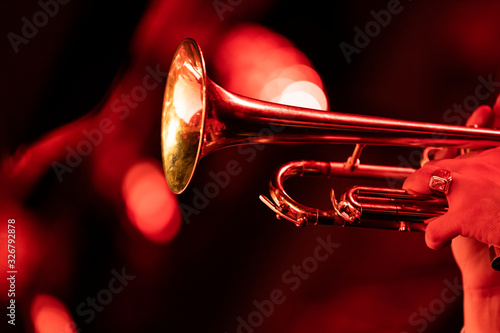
(200, 117)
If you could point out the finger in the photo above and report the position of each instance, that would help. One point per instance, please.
(446, 153)
(482, 117)
(441, 230)
(418, 182)
(469, 154)
(453, 164)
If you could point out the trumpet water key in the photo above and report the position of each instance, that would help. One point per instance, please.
(199, 117)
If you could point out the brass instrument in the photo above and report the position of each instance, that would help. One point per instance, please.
(199, 117)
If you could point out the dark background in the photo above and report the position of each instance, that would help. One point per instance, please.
(234, 252)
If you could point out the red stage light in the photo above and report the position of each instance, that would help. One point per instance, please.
(273, 68)
(151, 207)
(49, 314)
(303, 94)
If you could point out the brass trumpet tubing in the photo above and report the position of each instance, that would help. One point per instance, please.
(393, 204)
(286, 207)
(414, 204)
(233, 119)
(377, 207)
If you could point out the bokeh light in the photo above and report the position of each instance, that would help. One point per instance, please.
(303, 94)
(151, 207)
(50, 315)
(273, 68)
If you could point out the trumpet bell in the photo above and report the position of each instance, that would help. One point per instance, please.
(183, 115)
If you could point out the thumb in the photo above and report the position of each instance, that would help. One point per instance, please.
(441, 230)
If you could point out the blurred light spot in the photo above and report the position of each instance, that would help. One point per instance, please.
(50, 315)
(273, 89)
(272, 69)
(31, 239)
(151, 207)
(304, 94)
(302, 73)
